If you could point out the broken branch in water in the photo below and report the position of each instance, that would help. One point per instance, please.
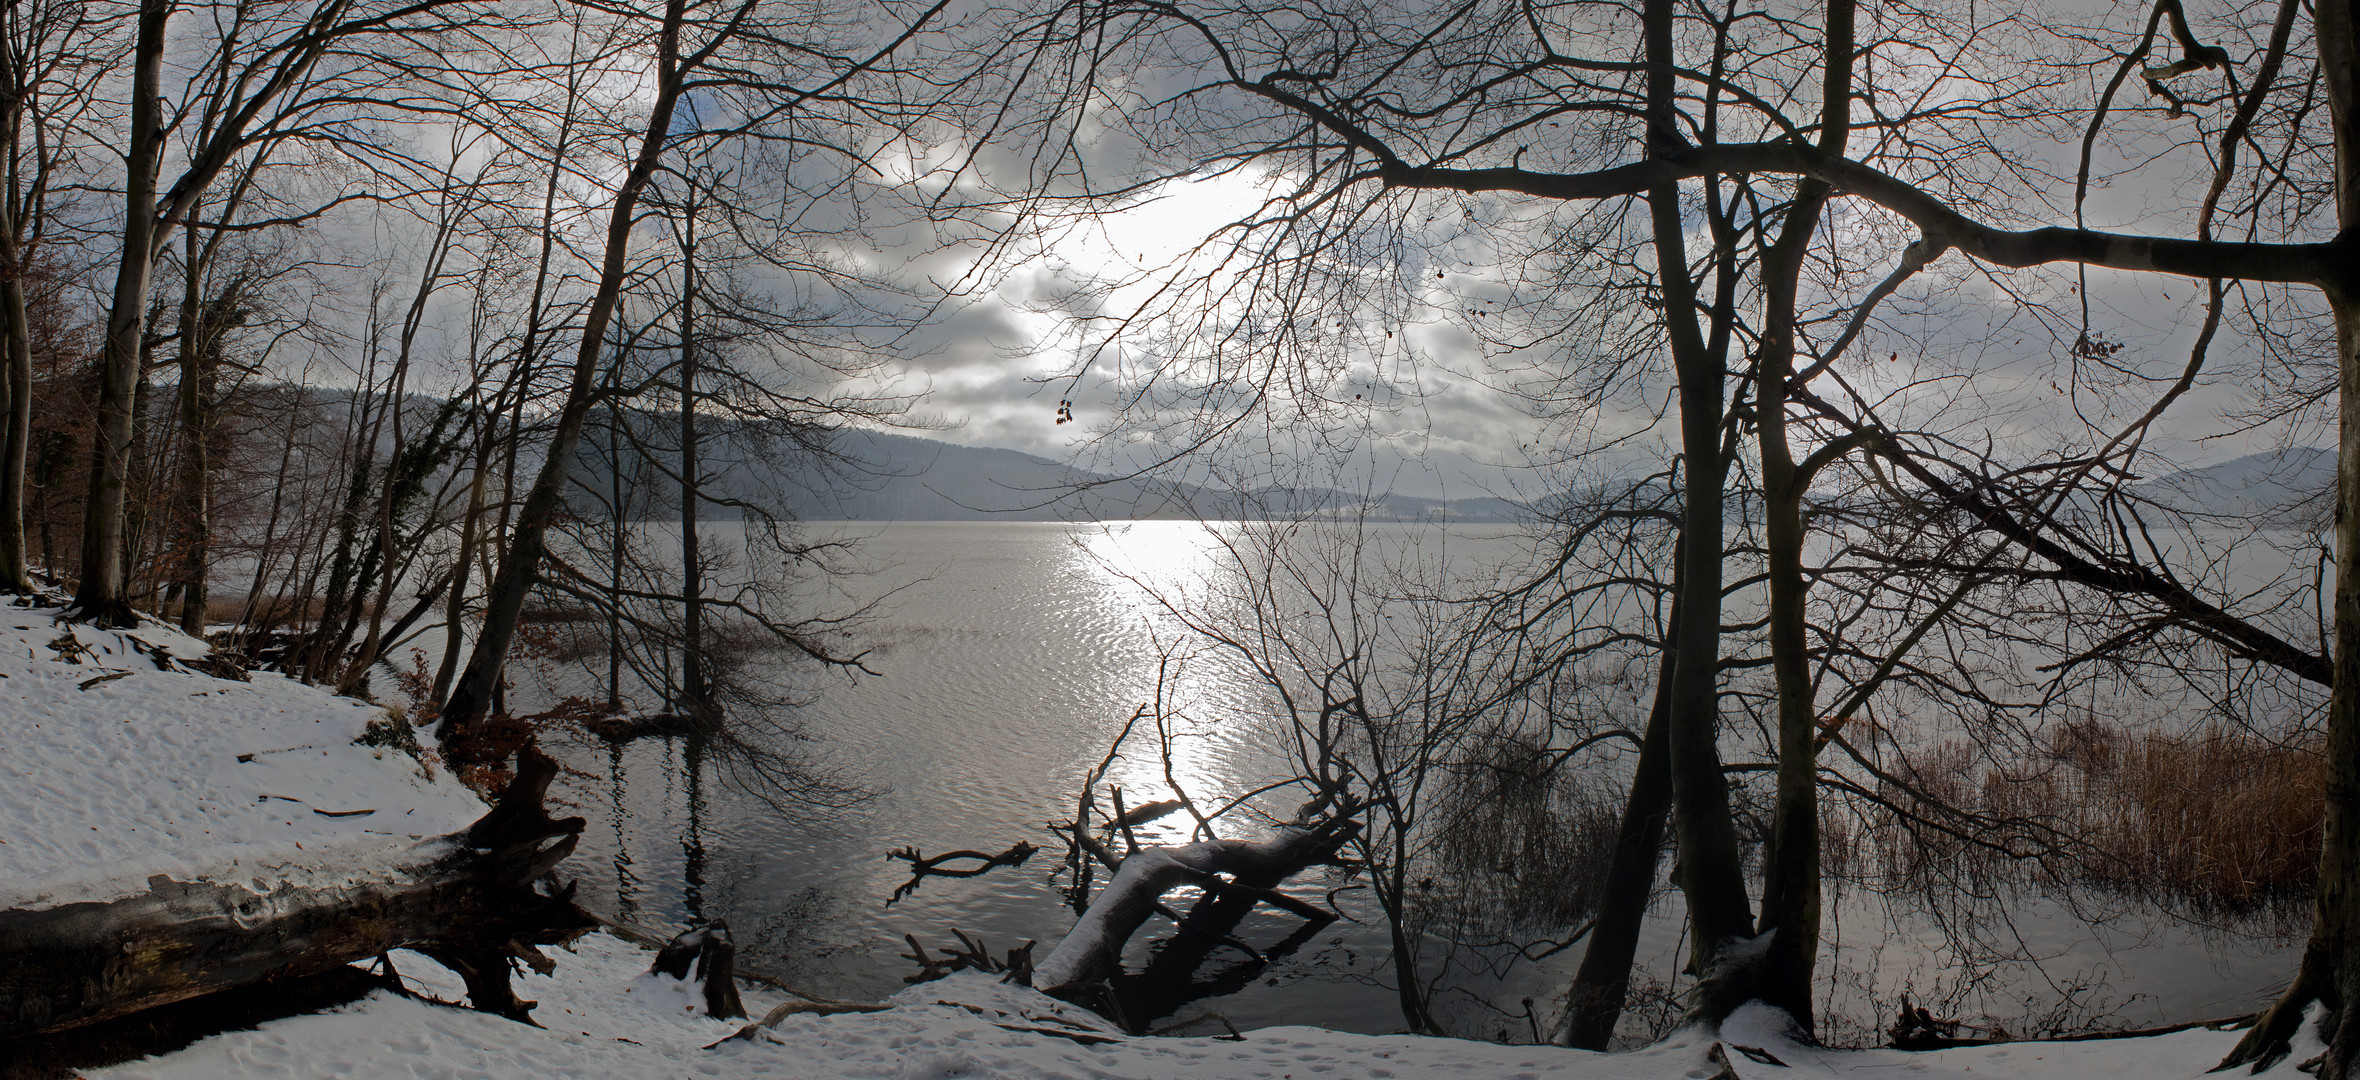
(923, 867)
(1017, 968)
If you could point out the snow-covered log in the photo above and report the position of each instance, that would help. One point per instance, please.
(1093, 949)
(473, 900)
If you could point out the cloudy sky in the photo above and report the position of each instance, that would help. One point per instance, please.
(1959, 342)
(1979, 355)
(1456, 406)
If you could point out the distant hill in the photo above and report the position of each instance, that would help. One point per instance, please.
(896, 477)
(888, 476)
(2290, 487)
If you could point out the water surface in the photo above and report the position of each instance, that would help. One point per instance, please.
(1017, 650)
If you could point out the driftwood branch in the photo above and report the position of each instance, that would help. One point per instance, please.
(971, 956)
(1917, 1028)
(923, 866)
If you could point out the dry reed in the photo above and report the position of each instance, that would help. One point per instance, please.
(2224, 820)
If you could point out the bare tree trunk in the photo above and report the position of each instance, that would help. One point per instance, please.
(16, 331)
(1791, 885)
(204, 324)
(196, 524)
(1604, 979)
(41, 510)
(2330, 970)
(1710, 872)
(14, 449)
(520, 564)
(454, 628)
(16, 349)
(100, 595)
(2329, 973)
(699, 706)
(139, 486)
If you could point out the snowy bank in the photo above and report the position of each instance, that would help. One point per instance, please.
(606, 1020)
(127, 762)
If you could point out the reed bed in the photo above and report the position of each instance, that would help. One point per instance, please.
(2221, 819)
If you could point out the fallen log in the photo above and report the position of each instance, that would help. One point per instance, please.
(476, 901)
(1092, 951)
(72, 1053)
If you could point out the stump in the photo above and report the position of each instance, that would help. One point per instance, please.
(706, 956)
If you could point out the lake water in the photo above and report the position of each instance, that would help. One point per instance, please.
(1017, 650)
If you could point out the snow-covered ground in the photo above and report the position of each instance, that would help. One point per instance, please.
(603, 1018)
(125, 762)
(119, 769)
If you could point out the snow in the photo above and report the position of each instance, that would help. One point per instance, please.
(120, 771)
(604, 1018)
(126, 763)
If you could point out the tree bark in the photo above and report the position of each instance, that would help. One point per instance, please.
(20, 212)
(2329, 973)
(454, 618)
(1710, 871)
(706, 956)
(470, 897)
(139, 482)
(100, 595)
(1604, 979)
(14, 449)
(1790, 873)
(196, 481)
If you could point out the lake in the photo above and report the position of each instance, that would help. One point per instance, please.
(1015, 651)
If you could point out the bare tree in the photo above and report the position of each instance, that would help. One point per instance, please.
(277, 72)
(723, 51)
(54, 55)
(1357, 113)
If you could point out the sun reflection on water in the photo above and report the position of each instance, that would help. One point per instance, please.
(1205, 702)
